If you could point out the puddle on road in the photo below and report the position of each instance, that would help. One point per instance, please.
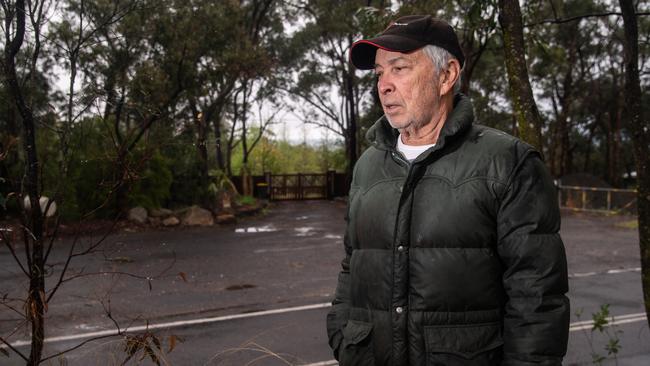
(332, 236)
(87, 327)
(240, 287)
(259, 229)
(302, 217)
(122, 259)
(304, 231)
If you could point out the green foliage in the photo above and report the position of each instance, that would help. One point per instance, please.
(602, 325)
(151, 186)
(245, 200)
(283, 157)
(601, 318)
(134, 65)
(85, 184)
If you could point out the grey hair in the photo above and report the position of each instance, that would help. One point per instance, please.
(440, 58)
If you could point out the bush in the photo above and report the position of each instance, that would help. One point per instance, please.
(245, 200)
(152, 188)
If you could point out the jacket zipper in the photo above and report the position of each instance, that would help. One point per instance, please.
(397, 156)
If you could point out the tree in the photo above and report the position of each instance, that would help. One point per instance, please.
(526, 114)
(474, 22)
(15, 15)
(638, 126)
(24, 23)
(327, 84)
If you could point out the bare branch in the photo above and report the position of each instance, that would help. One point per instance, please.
(7, 242)
(72, 254)
(580, 17)
(15, 310)
(14, 349)
(118, 333)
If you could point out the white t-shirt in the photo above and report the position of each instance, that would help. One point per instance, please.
(411, 151)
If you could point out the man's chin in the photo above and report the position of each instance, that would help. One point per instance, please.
(397, 123)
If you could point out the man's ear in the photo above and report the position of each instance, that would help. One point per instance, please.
(449, 76)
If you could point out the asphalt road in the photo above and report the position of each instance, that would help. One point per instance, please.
(257, 292)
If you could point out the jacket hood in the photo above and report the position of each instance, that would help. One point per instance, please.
(383, 136)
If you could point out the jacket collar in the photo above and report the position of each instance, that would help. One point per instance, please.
(384, 137)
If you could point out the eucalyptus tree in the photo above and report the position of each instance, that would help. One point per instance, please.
(16, 16)
(639, 127)
(28, 52)
(328, 89)
(139, 67)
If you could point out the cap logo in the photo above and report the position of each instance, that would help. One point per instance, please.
(396, 23)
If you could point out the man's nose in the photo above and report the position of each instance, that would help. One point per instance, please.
(385, 85)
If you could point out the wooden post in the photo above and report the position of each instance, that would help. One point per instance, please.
(299, 191)
(609, 200)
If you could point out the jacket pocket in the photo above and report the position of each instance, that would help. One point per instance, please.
(464, 345)
(356, 348)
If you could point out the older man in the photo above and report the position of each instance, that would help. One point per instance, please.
(453, 255)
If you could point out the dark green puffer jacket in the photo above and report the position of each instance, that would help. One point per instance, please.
(453, 259)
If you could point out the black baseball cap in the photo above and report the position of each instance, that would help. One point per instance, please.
(407, 34)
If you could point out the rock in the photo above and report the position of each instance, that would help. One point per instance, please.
(226, 219)
(197, 216)
(171, 221)
(138, 214)
(154, 221)
(160, 212)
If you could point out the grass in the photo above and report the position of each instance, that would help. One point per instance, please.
(632, 224)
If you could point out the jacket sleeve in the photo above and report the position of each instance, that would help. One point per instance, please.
(536, 319)
(338, 314)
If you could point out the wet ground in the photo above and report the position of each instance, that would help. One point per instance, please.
(258, 291)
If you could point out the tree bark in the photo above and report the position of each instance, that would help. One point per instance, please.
(641, 138)
(529, 121)
(199, 119)
(351, 128)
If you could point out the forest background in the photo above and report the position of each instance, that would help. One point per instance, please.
(148, 102)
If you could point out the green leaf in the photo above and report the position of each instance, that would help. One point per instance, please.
(600, 318)
(597, 359)
(613, 347)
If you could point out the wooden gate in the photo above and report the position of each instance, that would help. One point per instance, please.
(301, 186)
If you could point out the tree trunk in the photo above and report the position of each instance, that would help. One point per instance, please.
(566, 102)
(33, 230)
(351, 128)
(641, 138)
(199, 119)
(216, 122)
(590, 143)
(529, 122)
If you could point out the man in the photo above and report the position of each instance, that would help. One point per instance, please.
(452, 249)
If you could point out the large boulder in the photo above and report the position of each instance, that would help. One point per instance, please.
(138, 214)
(197, 216)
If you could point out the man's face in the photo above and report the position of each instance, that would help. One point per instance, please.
(408, 88)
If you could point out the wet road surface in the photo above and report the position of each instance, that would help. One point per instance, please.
(258, 291)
